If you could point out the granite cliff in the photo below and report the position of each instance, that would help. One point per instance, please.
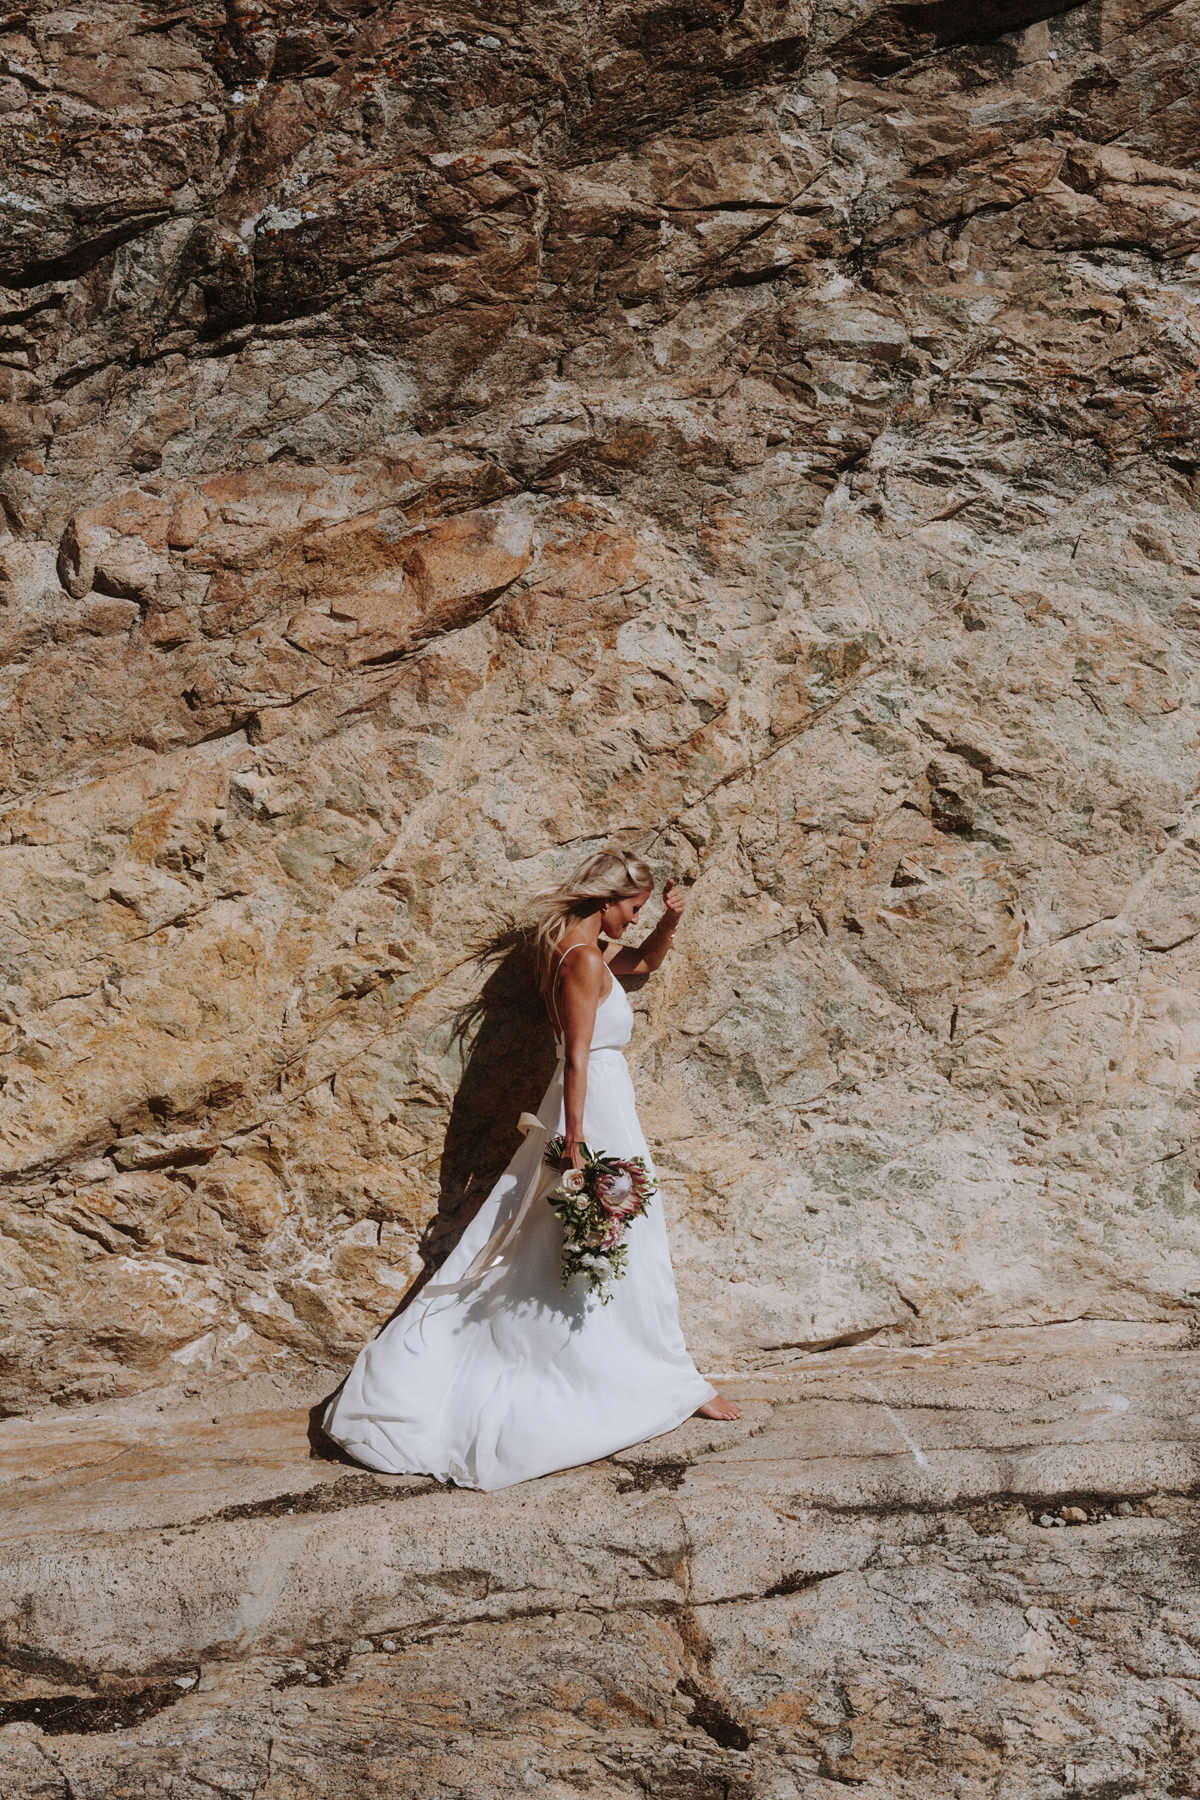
(434, 442)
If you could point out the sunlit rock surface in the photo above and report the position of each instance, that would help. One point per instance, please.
(964, 1569)
(436, 442)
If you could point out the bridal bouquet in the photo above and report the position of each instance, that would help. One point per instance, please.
(596, 1204)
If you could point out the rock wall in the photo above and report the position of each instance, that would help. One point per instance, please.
(436, 442)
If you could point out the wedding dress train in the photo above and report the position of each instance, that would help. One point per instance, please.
(518, 1375)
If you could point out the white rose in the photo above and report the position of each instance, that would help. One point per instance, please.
(573, 1182)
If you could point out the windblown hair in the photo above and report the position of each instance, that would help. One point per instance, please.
(612, 874)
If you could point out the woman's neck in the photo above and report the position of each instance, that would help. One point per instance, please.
(586, 932)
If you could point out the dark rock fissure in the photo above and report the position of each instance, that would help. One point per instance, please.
(70, 265)
(334, 1496)
(796, 1583)
(669, 1473)
(713, 1717)
(62, 1714)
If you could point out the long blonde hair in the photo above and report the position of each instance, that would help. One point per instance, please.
(613, 873)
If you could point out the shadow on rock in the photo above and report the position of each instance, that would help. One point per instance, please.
(321, 1447)
(509, 1061)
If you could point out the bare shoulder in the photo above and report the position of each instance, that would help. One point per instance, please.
(583, 968)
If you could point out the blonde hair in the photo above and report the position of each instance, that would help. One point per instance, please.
(613, 873)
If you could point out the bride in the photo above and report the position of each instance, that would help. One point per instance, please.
(496, 1372)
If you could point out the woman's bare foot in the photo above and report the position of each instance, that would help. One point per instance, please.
(718, 1408)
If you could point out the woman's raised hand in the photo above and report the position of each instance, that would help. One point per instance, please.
(673, 900)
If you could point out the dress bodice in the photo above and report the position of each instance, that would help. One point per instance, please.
(613, 1027)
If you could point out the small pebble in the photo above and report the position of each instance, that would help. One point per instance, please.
(1123, 1509)
(312, 1679)
(388, 1644)
(1047, 1520)
(1056, 1521)
(361, 1647)
(1074, 1515)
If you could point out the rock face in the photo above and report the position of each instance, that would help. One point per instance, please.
(435, 441)
(850, 1588)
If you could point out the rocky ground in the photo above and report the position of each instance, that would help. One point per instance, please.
(966, 1571)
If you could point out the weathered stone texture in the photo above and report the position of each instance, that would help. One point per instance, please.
(958, 1570)
(434, 441)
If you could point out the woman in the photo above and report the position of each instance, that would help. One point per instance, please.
(496, 1372)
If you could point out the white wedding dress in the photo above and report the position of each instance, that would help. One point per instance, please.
(518, 1375)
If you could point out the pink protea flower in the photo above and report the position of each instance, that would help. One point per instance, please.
(614, 1192)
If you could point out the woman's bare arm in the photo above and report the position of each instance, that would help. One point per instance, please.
(650, 952)
(579, 993)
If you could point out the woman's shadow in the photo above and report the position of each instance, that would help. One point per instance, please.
(509, 1057)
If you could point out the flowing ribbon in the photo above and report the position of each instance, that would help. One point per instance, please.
(495, 1254)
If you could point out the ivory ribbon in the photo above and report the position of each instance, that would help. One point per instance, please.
(495, 1253)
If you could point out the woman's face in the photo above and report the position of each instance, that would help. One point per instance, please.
(619, 915)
